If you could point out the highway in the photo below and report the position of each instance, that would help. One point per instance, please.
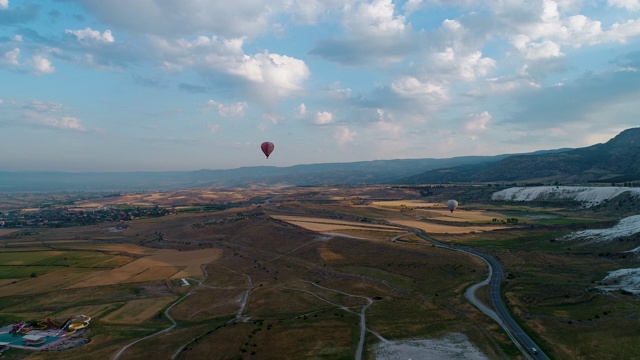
(515, 332)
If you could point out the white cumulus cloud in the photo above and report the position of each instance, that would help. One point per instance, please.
(323, 118)
(273, 118)
(282, 73)
(477, 122)
(11, 56)
(301, 110)
(273, 75)
(375, 19)
(94, 36)
(343, 135)
(625, 4)
(4, 4)
(409, 86)
(64, 123)
(233, 110)
(41, 65)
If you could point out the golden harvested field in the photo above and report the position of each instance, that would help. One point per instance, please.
(321, 225)
(4, 282)
(162, 264)
(25, 258)
(191, 260)
(92, 311)
(155, 273)
(56, 280)
(445, 229)
(22, 243)
(116, 248)
(408, 203)
(137, 311)
(327, 255)
(173, 198)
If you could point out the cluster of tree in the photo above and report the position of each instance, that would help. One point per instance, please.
(507, 221)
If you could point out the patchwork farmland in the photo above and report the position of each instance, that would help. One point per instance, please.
(296, 275)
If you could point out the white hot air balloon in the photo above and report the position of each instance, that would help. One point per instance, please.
(452, 205)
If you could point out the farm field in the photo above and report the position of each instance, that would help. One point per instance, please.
(290, 278)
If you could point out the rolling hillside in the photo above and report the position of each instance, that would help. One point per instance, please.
(617, 160)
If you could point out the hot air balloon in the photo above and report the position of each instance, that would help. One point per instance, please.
(267, 148)
(452, 205)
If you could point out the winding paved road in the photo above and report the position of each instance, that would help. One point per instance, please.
(504, 319)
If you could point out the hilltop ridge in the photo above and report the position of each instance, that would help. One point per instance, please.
(617, 160)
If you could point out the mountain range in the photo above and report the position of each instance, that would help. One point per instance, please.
(617, 160)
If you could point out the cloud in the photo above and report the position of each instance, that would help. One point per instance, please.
(386, 127)
(178, 19)
(91, 36)
(590, 100)
(511, 83)
(301, 110)
(477, 123)
(539, 29)
(213, 127)
(374, 34)
(47, 114)
(273, 118)
(269, 74)
(537, 50)
(43, 107)
(412, 5)
(411, 87)
(4, 4)
(452, 65)
(632, 5)
(323, 118)
(64, 123)
(232, 110)
(374, 20)
(21, 14)
(11, 57)
(282, 73)
(42, 65)
(1, 102)
(343, 135)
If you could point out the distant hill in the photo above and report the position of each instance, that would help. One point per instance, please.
(354, 173)
(617, 160)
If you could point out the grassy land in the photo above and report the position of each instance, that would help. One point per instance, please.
(304, 290)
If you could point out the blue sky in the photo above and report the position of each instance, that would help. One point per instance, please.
(155, 85)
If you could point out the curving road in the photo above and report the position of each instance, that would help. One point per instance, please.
(519, 337)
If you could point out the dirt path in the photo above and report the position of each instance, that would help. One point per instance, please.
(167, 314)
(363, 320)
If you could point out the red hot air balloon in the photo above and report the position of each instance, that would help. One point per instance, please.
(267, 148)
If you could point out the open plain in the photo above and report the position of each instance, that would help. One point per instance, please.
(302, 273)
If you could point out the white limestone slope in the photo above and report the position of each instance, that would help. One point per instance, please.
(588, 196)
(625, 279)
(626, 227)
(622, 279)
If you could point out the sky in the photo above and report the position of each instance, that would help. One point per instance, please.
(160, 85)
